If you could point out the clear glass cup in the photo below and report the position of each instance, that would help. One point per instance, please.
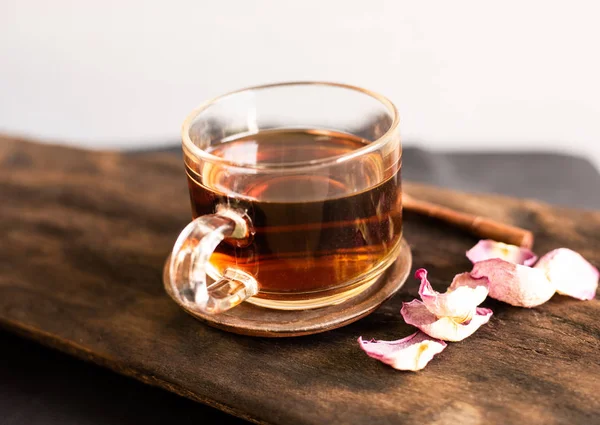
(296, 197)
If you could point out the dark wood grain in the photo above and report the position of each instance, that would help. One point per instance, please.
(84, 237)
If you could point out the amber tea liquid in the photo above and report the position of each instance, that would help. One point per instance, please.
(316, 234)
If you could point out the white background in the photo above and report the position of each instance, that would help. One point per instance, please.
(464, 74)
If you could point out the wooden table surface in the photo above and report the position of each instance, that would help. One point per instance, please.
(84, 238)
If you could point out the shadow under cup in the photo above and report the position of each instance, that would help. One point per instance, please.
(297, 193)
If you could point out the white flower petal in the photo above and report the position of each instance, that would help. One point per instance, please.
(515, 284)
(488, 249)
(570, 273)
(410, 353)
(416, 313)
(459, 301)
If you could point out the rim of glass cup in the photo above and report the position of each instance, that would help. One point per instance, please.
(373, 146)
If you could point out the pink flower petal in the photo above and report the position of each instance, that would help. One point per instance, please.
(515, 284)
(459, 301)
(410, 353)
(570, 273)
(488, 249)
(416, 313)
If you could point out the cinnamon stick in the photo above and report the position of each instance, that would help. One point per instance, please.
(482, 227)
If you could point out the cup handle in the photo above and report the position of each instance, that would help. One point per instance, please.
(190, 259)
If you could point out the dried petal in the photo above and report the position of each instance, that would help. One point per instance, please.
(416, 313)
(514, 284)
(570, 273)
(459, 301)
(488, 249)
(410, 353)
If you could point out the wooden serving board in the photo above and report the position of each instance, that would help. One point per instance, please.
(83, 239)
